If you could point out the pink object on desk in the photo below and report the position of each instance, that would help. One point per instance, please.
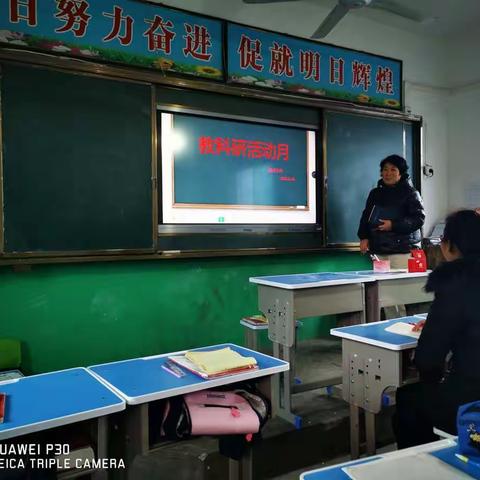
(381, 265)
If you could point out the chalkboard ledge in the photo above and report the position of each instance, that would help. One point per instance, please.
(172, 254)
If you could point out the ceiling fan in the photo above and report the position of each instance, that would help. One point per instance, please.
(344, 6)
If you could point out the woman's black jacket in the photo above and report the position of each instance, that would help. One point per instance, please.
(400, 203)
(453, 323)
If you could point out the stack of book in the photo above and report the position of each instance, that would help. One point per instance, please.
(256, 320)
(215, 363)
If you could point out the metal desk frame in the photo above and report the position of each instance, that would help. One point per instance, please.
(137, 413)
(284, 304)
(369, 368)
(78, 414)
(393, 289)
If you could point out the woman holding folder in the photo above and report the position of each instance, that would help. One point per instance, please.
(393, 215)
(391, 221)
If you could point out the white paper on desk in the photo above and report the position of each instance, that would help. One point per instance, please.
(402, 328)
(421, 466)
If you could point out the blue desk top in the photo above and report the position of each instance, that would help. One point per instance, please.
(309, 280)
(441, 449)
(448, 456)
(335, 472)
(375, 334)
(393, 275)
(52, 399)
(143, 380)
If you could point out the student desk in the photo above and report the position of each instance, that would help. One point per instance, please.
(372, 360)
(393, 288)
(443, 449)
(49, 400)
(283, 299)
(142, 380)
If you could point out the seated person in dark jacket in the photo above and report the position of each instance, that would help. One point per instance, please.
(452, 327)
(391, 221)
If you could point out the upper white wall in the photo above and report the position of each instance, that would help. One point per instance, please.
(463, 67)
(463, 124)
(433, 105)
(464, 148)
(425, 69)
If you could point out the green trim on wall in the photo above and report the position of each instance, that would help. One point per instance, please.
(79, 315)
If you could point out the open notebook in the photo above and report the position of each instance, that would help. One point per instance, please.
(402, 328)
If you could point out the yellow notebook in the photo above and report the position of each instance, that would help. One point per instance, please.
(214, 361)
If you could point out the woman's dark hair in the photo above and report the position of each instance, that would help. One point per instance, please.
(398, 161)
(462, 230)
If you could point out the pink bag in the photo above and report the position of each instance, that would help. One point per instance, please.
(220, 413)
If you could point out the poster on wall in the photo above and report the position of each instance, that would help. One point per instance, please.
(129, 32)
(271, 60)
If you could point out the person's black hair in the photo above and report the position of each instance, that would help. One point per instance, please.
(462, 230)
(398, 161)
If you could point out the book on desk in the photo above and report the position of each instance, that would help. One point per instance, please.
(256, 320)
(215, 363)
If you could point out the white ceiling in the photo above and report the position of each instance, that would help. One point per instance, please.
(446, 18)
(449, 19)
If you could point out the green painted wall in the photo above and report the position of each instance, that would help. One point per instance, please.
(78, 315)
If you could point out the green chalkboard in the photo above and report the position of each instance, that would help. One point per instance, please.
(77, 162)
(355, 145)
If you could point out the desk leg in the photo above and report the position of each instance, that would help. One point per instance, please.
(277, 391)
(247, 464)
(370, 432)
(282, 388)
(251, 340)
(363, 312)
(233, 469)
(354, 432)
(372, 302)
(137, 441)
(102, 426)
(243, 469)
(290, 355)
(351, 318)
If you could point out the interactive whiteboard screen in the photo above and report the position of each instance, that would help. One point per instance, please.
(218, 171)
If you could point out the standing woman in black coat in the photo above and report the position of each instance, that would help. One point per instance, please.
(452, 327)
(391, 221)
